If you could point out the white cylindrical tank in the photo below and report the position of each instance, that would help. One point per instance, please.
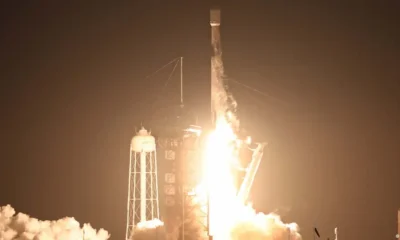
(143, 142)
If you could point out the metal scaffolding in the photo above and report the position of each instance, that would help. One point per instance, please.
(142, 185)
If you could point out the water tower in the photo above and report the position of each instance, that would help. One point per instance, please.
(142, 185)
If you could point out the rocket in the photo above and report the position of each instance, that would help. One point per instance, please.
(215, 22)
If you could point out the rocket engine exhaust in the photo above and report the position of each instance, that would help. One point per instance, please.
(152, 229)
(229, 216)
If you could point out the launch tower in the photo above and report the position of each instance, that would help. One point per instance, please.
(142, 186)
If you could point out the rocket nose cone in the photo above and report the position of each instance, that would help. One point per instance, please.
(215, 17)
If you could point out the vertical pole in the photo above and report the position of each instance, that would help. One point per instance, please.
(135, 199)
(151, 175)
(212, 92)
(128, 215)
(156, 191)
(209, 222)
(183, 213)
(143, 186)
(182, 158)
(181, 81)
(398, 224)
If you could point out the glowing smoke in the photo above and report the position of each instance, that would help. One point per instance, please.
(223, 104)
(266, 227)
(240, 221)
(153, 229)
(23, 227)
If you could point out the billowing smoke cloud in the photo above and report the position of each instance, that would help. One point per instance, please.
(149, 230)
(264, 227)
(22, 227)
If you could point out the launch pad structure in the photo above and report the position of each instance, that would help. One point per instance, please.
(179, 159)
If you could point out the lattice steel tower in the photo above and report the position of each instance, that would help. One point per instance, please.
(143, 186)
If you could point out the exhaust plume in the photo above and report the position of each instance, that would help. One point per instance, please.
(231, 218)
(23, 227)
(153, 229)
(263, 227)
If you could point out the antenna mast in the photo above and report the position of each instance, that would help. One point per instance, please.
(181, 81)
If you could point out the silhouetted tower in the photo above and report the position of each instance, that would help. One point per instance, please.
(142, 187)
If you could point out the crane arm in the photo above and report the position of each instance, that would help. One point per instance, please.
(244, 190)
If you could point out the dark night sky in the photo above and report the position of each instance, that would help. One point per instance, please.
(74, 88)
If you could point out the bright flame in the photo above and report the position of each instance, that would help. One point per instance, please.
(152, 229)
(154, 223)
(230, 217)
(219, 157)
